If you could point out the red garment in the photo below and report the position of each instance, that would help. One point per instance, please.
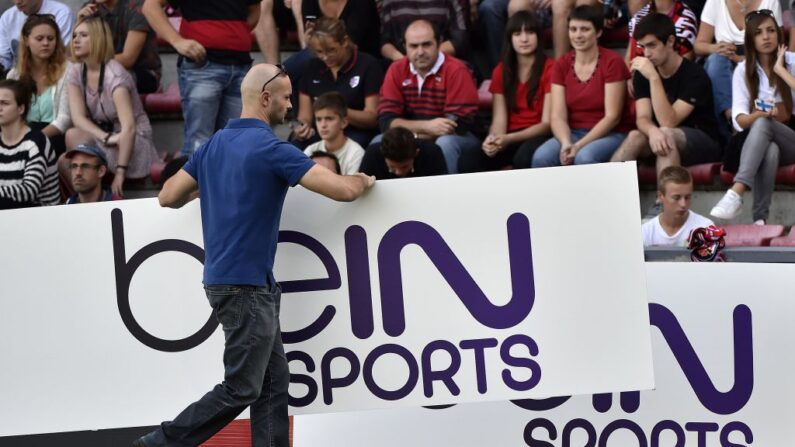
(585, 101)
(525, 115)
(450, 91)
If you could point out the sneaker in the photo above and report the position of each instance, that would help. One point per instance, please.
(759, 222)
(652, 212)
(728, 207)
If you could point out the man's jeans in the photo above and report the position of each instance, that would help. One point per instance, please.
(255, 373)
(210, 95)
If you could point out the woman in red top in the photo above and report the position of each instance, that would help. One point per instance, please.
(588, 117)
(520, 87)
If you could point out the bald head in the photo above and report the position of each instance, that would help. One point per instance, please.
(257, 76)
(273, 106)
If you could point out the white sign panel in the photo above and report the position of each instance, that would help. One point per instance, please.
(424, 292)
(722, 338)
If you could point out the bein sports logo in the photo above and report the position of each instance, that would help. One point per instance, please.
(539, 432)
(362, 319)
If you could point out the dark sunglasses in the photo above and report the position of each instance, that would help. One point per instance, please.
(759, 12)
(281, 71)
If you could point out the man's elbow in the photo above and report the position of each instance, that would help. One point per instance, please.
(167, 200)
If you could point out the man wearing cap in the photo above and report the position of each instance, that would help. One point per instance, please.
(87, 166)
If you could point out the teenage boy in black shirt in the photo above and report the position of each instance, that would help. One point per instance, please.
(673, 102)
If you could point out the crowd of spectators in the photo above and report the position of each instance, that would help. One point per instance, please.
(389, 87)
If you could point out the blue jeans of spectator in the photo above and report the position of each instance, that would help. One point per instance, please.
(454, 145)
(720, 70)
(597, 151)
(210, 95)
(255, 373)
(493, 15)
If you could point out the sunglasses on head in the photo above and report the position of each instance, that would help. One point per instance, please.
(759, 12)
(278, 73)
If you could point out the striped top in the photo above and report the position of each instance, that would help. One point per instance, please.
(29, 171)
(448, 90)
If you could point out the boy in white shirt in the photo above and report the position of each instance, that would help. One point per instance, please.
(331, 119)
(673, 226)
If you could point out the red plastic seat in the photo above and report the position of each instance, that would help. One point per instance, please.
(752, 235)
(703, 174)
(484, 96)
(167, 101)
(784, 176)
(784, 241)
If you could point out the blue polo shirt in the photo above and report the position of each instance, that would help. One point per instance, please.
(243, 173)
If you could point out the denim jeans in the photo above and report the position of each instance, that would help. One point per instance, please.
(720, 70)
(597, 151)
(255, 373)
(493, 15)
(210, 95)
(769, 144)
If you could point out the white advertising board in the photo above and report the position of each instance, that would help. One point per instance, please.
(722, 345)
(424, 292)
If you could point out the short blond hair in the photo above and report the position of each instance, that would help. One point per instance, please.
(673, 174)
(101, 38)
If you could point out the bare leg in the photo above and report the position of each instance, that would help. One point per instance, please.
(634, 146)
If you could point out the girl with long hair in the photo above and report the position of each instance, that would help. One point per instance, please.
(761, 108)
(105, 105)
(42, 65)
(520, 86)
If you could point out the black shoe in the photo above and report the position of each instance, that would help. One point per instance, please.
(139, 443)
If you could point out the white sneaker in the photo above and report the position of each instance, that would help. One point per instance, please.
(728, 207)
(759, 222)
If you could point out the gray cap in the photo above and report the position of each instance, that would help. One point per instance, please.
(89, 149)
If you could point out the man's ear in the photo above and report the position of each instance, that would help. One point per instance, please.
(671, 41)
(265, 98)
(660, 196)
(344, 122)
(102, 171)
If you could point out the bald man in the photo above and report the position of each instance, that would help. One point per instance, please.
(242, 174)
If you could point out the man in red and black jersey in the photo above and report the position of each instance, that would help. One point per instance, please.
(214, 44)
(431, 94)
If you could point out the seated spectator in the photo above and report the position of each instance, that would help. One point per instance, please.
(520, 85)
(327, 160)
(361, 23)
(589, 85)
(214, 44)
(87, 165)
(331, 120)
(105, 106)
(431, 94)
(673, 226)
(762, 101)
(13, 19)
(720, 40)
(401, 155)
(685, 23)
(28, 164)
(673, 106)
(134, 40)
(446, 16)
(339, 67)
(42, 63)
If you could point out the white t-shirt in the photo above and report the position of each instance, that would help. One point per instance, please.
(741, 100)
(653, 233)
(350, 155)
(11, 28)
(717, 14)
